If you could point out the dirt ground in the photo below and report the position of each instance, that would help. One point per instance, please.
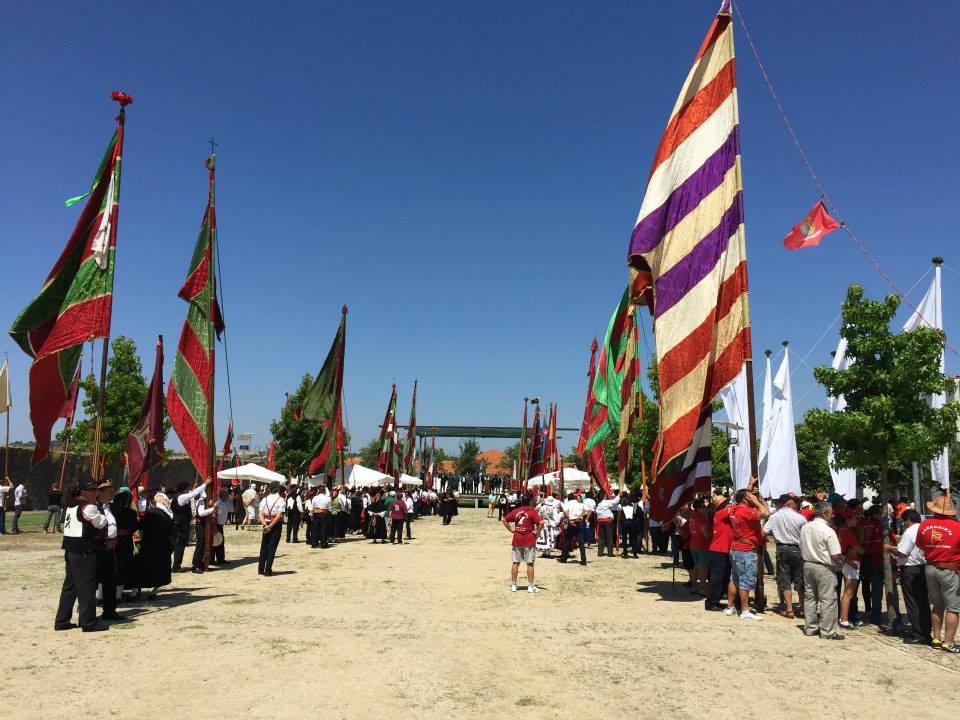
(431, 630)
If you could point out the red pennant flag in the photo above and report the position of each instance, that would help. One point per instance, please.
(811, 230)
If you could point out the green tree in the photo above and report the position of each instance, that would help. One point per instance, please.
(510, 456)
(887, 420)
(124, 393)
(466, 462)
(295, 439)
(369, 452)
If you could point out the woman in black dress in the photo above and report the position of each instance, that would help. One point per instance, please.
(157, 539)
(127, 524)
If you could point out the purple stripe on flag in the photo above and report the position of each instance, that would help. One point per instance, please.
(650, 230)
(699, 262)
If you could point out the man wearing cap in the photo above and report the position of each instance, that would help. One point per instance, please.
(107, 554)
(820, 549)
(83, 531)
(939, 539)
(785, 525)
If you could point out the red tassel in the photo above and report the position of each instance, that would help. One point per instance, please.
(122, 98)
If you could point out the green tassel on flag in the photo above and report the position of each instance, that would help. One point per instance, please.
(74, 200)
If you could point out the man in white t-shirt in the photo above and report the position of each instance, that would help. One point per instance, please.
(573, 511)
(588, 529)
(912, 563)
(19, 505)
(320, 516)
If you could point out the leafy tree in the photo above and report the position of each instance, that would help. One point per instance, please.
(510, 456)
(466, 462)
(887, 420)
(125, 391)
(720, 460)
(369, 452)
(295, 439)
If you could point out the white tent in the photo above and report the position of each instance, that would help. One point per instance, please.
(252, 473)
(360, 476)
(410, 480)
(572, 478)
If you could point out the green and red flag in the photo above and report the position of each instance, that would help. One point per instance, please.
(521, 470)
(411, 443)
(535, 465)
(190, 393)
(75, 303)
(387, 456)
(145, 442)
(323, 403)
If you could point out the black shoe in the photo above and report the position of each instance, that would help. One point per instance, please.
(835, 636)
(96, 628)
(224, 562)
(915, 640)
(268, 573)
(713, 608)
(583, 562)
(65, 626)
(112, 616)
(197, 571)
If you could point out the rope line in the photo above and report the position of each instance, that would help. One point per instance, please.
(834, 210)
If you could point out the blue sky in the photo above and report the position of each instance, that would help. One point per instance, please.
(464, 176)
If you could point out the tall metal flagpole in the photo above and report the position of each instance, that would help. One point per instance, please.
(210, 523)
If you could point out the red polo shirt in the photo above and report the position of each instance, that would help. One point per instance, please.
(745, 522)
(722, 532)
(939, 538)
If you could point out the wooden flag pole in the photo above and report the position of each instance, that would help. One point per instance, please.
(96, 465)
(210, 523)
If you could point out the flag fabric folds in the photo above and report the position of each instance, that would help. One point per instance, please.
(271, 464)
(190, 392)
(689, 243)
(535, 464)
(674, 489)
(930, 313)
(5, 400)
(411, 443)
(145, 442)
(734, 397)
(844, 479)
(812, 229)
(779, 466)
(323, 403)
(386, 457)
(630, 406)
(75, 303)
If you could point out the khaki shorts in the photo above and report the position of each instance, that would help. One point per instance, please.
(524, 555)
(943, 587)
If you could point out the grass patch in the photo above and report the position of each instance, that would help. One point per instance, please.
(526, 701)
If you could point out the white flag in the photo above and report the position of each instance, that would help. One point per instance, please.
(766, 410)
(930, 313)
(734, 397)
(5, 403)
(844, 479)
(780, 468)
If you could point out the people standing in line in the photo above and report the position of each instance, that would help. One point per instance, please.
(745, 517)
(224, 508)
(5, 489)
(294, 513)
(785, 525)
(158, 538)
(526, 526)
(820, 550)
(19, 505)
(573, 511)
(128, 521)
(54, 508)
(204, 509)
(606, 514)
(719, 583)
(629, 538)
(913, 581)
(851, 550)
(271, 519)
(83, 535)
(320, 510)
(939, 538)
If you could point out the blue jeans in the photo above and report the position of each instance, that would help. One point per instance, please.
(17, 510)
(744, 570)
(3, 521)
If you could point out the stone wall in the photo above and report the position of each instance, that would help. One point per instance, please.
(47, 472)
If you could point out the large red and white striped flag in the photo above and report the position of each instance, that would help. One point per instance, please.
(689, 240)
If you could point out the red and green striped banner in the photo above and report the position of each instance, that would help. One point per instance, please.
(387, 457)
(190, 393)
(411, 444)
(75, 303)
(324, 404)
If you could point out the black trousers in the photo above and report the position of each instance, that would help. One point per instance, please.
(380, 529)
(269, 543)
(80, 587)
(659, 540)
(570, 536)
(605, 538)
(628, 537)
(200, 547)
(293, 525)
(220, 551)
(407, 524)
(183, 536)
(107, 576)
(718, 579)
(308, 524)
(396, 531)
(915, 597)
(321, 530)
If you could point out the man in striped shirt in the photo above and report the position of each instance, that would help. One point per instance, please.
(785, 525)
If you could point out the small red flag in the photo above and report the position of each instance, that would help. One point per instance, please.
(811, 229)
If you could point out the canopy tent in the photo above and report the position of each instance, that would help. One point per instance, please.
(360, 476)
(410, 480)
(572, 478)
(252, 473)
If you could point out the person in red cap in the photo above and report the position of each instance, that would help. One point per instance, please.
(939, 538)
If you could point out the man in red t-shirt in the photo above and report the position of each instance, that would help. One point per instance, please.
(870, 529)
(526, 526)
(939, 538)
(747, 543)
(719, 549)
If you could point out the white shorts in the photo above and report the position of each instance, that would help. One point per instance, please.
(524, 555)
(851, 572)
(251, 513)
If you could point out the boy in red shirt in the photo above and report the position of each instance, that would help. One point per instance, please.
(700, 536)
(939, 538)
(527, 524)
(747, 543)
(851, 550)
(719, 550)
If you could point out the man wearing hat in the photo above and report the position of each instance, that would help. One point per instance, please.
(107, 554)
(939, 539)
(83, 532)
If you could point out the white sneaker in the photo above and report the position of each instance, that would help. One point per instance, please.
(750, 615)
(513, 588)
(730, 611)
(532, 589)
